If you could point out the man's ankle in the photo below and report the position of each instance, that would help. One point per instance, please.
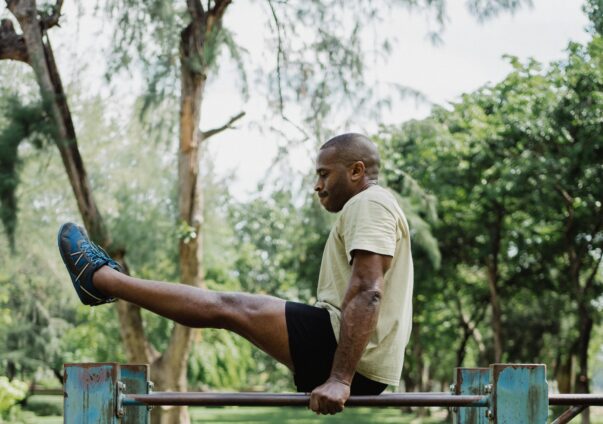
(102, 279)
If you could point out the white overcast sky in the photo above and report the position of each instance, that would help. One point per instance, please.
(471, 55)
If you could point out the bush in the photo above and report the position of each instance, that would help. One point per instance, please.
(45, 406)
(10, 393)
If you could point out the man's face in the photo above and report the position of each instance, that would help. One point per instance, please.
(333, 185)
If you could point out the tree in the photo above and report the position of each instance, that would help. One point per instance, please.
(594, 11)
(335, 50)
(515, 168)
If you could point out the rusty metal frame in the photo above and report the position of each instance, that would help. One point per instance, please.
(570, 414)
(111, 393)
(429, 399)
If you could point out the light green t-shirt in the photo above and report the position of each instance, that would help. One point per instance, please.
(373, 221)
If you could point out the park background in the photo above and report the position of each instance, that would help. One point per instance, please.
(488, 115)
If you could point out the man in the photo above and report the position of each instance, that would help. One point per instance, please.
(352, 341)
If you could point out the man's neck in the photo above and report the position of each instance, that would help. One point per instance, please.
(367, 184)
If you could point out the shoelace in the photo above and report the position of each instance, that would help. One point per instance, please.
(93, 253)
(95, 258)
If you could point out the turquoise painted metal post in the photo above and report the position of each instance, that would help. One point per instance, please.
(136, 380)
(471, 381)
(90, 392)
(519, 394)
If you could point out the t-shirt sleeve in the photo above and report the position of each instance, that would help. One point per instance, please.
(370, 226)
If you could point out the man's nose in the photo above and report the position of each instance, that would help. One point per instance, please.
(318, 186)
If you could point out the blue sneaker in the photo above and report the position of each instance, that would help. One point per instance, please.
(82, 259)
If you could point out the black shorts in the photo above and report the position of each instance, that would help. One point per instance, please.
(312, 345)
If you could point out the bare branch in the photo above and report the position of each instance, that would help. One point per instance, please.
(216, 13)
(12, 45)
(206, 134)
(593, 273)
(595, 270)
(53, 19)
(195, 8)
(280, 54)
(12, 4)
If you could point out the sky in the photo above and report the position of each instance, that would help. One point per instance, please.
(470, 56)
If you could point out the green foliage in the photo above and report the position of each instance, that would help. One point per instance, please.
(10, 393)
(280, 245)
(487, 9)
(498, 159)
(222, 360)
(31, 340)
(148, 40)
(22, 123)
(516, 169)
(319, 67)
(594, 11)
(92, 336)
(45, 405)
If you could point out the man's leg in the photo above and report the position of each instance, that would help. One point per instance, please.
(258, 318)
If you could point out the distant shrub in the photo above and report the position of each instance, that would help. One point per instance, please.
(45, 406)
(10, 393)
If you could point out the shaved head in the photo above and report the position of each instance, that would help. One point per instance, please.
(352, 147)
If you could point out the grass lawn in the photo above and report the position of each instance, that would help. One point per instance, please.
(237, 415)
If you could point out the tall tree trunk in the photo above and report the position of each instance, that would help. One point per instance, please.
(582, 383)
(564, 372)
(581, 292)
(468, 326)
(42, 62)
(41, 58)
(496, 315)
(169, 369)
(492, 269)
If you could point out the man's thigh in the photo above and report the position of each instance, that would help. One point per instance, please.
(297, 335)
(312, 345)
(258, 318)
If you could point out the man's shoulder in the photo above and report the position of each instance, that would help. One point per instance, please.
(374, 194)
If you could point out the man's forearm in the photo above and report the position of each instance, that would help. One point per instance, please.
(358, 321)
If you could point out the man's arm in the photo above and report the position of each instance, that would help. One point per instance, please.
(359, 314)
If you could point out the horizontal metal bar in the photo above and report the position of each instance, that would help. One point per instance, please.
(274, 399)
(295, 399)
(571, 399)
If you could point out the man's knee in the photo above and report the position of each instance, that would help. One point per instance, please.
(245, 304)
(231, 309)
(240, 310)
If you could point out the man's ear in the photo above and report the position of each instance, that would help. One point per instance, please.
(358, 170)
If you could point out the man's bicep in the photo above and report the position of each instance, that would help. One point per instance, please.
(369, 266)
(371, 227)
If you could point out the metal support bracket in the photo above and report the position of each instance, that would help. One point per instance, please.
(519, 394)
(471, 381)
(119, 402)
(150, 387)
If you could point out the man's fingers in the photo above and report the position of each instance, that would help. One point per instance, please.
(337, 407)
(330, 406)
(314, 403)
(320, 404)
(323, 401)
